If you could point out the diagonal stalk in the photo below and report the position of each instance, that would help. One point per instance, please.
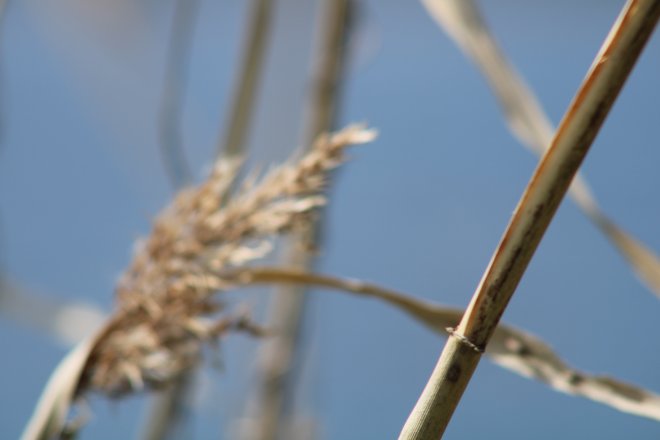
(540, 201)
(528, 122)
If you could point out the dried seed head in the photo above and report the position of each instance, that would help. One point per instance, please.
(165, 298)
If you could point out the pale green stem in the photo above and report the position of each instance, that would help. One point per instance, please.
(531, 218)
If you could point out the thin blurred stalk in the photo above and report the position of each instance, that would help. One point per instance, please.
(540, 201)
(169, 412)
(250, 73)
(176, 72)
(269, 418)
(167, 415)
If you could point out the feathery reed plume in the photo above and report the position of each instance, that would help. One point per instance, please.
(165, 299)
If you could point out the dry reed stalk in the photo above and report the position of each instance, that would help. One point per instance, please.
(527, 120)
(533, 214)
(248, 77)
(277, 355)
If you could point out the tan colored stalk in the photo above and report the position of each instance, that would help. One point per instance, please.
(248, 77)
(527, 121)
(278, 353)
(531, 218)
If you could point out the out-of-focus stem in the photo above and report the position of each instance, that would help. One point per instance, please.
(242, 108)
(268, 417)
(167, 410)
(176, 69)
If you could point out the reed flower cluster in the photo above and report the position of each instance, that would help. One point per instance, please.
(166, 303)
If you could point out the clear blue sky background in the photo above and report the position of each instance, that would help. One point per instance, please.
(420, 210)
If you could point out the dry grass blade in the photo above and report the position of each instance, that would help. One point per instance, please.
(49, 417)
(528, 356)
(527, 120)
(509, 348)
(531, 218)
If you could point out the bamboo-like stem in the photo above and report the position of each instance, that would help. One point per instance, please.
(169, 120)
(249, 74)
(531, 218)
(462, 20)
(278, 354)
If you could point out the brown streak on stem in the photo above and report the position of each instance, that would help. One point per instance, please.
(532, 216)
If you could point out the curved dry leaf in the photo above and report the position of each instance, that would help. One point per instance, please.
(528, 356)
(527, 120)
(49, 417)
(509, 347)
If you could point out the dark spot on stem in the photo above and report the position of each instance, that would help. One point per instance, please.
(576, 379)
(454, 373)
(524, 351)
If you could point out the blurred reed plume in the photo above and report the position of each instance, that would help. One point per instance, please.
(166, 306)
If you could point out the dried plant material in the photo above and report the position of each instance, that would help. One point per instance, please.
(165, 299)
(536, 208)
(49, 417)
(166, 307)
(527, 120)
(510, 348)
(269, 410)
(528, 356)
